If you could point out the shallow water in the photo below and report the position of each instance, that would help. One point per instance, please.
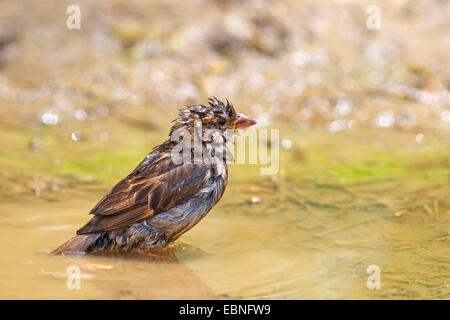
(302, 238)
(364, 178)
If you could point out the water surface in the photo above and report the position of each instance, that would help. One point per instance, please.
(292, 236)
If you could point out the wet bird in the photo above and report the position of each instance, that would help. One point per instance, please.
(164, 197)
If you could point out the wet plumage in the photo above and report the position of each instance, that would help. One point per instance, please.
(161, 199)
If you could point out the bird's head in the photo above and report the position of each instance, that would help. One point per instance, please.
(217, 115)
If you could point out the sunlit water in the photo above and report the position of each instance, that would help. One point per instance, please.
(364, 115)
(285, 246)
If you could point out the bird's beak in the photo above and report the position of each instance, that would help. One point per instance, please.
(242, 122)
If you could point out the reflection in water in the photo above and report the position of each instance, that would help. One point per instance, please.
(119, 276)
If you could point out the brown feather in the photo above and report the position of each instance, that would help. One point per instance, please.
(77, 244)
(150, 189)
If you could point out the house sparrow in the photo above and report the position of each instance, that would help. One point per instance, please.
(162, 198)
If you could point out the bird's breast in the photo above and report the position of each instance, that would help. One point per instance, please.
(221, 171)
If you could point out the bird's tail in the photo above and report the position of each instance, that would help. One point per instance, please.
(78, 244)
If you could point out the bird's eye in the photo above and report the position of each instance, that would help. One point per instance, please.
(221, 121)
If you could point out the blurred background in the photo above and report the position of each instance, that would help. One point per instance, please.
(364, 119)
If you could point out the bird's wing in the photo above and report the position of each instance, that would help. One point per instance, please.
(150, 189)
